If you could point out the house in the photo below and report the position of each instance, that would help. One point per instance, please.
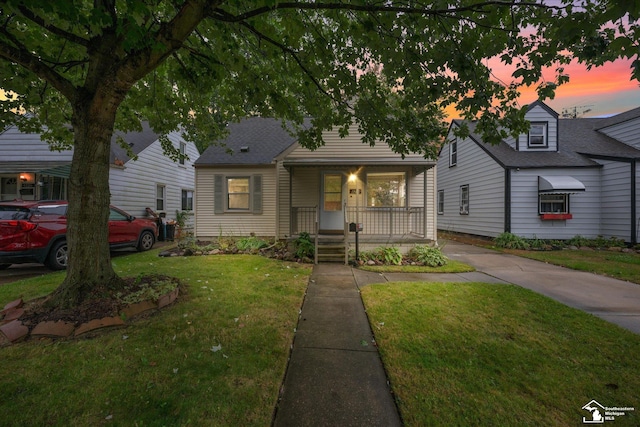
(566, 177)
(29, 170)
(260, 181)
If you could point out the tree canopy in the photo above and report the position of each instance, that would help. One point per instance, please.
(390, 67)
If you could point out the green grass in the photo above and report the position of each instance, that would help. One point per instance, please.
(451, 266)
(162, 370)
(461, 354)
(623, 266)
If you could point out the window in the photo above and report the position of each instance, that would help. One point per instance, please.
(440, 202)
(238, 194)
(453, 152)
(464, 200)
(386, 189)
(554, 203)
(160, 197)
(183, 152)
(332, 189)
(538, 135)
(234, 194)
(187, 200)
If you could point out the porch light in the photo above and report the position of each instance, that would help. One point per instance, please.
(23, 178)
(353, 177)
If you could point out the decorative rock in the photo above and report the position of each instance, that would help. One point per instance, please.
(572, 247)
(53, 329)
(14, 331)
(105, 322)
(13, 304)
(139, 308)
(371, 262)
(13, 314)
(168, 298)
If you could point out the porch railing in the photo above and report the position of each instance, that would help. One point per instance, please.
(388, 221)
(375, 221)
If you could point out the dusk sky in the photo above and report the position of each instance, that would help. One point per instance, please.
(604, 90)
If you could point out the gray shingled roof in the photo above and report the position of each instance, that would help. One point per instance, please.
(138, 141)
(262, 138)
(578, 138)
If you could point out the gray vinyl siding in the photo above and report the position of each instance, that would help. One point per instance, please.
(627, 132)
(16, 146)
(538, 115)
(616, 199)
(209, 225)
(133, 186)
(486, 182)
(585, 207)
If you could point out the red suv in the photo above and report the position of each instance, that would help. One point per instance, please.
(34, 231)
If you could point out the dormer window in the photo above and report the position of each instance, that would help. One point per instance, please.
(538, 135)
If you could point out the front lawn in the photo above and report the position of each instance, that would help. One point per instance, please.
(216, 358)
(461, 354)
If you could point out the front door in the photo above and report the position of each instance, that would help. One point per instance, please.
(331, 202)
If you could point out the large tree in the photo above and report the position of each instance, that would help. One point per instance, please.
(389, 66)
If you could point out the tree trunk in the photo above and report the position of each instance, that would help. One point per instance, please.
(89, 258)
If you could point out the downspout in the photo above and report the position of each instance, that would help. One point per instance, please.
(634, 221)
(507, 200)
(291, 201)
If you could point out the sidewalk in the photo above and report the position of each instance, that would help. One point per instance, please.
(335, 376)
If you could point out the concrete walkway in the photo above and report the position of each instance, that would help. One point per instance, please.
(335, 376)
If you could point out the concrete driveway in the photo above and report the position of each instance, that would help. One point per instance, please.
(613, 300)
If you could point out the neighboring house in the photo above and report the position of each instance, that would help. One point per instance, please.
(29, 170)
(260, 181)
(566, 177)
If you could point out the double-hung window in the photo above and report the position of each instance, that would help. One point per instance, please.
(187, 200)
(183, 152)
(161, 194)
(537, 135)
(440, 202)
(238, 194)
(386, 190)
(464, 199)
(453, 152)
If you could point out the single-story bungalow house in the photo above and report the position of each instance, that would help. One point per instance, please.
(566, 177)
(260, 181)
(30, 170)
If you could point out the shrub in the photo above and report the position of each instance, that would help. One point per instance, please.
(579, 241)
(511, 241)
(389, 255)
(251, 243)
(304, 246)
(427, 255)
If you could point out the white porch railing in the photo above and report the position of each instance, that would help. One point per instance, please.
(375, 221)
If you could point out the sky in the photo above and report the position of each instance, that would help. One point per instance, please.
(604, 90)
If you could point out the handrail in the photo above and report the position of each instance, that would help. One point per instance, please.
(346, 236)
(317, 231)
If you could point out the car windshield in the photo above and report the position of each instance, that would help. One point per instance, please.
(51, 210)
(13, 212)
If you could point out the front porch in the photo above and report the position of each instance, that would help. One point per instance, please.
(402, 227)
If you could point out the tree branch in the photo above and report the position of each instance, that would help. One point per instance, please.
(52, 28)
(225, 16)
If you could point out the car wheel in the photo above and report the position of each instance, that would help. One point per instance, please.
(57, 259)
(4, 266)
(146, 241)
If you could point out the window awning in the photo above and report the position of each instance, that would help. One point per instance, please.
(562, 184)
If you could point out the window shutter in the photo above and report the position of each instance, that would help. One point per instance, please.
(257, 194)
(218, 194)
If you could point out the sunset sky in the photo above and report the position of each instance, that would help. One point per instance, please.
(604, 90)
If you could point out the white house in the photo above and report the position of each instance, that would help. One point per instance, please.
(260, 180)
(566, 177)
(30, 170)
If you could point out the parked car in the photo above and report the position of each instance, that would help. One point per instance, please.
(35, 231)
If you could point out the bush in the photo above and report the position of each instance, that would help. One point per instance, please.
(304, 246)
(390, 255)
(427, 255)
(250, 244)
(511, 241)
